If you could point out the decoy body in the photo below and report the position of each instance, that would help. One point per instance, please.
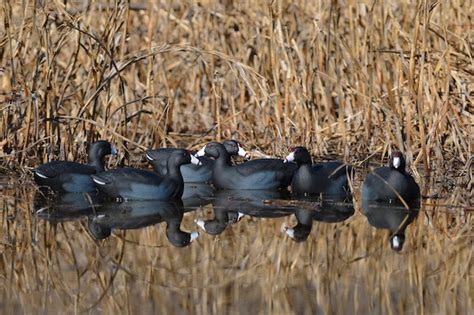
(324, 178)
(261, 174)
(66, 176)
(138, 184)
(391, 183)
(193, 173)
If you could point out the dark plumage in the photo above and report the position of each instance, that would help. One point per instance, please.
(138, 184)
(262, 174)
(193, 173)
(391, 183)
(323, 178)
(66, 176)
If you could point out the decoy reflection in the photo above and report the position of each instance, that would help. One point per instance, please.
(65, 206)
(231, 205)
(394, 217)
(139, 214)
(197, 195)
(329, 210)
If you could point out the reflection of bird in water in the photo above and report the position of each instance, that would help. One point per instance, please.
(66, 206)
(139, 214)
(336, 209)
(391, 216)
(231, 205)
(222, 218)
(196, 195)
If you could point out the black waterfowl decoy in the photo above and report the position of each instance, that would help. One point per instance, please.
(391, 183)
(392, 216)
(138, 184)
(324, 178)
(261, 174)
(67, 176)
(336, 209)
(193, 173)
(139, 214)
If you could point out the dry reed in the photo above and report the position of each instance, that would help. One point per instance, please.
(352, 79)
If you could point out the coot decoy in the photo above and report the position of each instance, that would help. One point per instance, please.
(391, 183)
(67, 176)
(391, 216)
(323, 178)
(137, 184)
(193, 173)
(261, 174)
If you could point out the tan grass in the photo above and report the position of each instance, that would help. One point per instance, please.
(348, 79)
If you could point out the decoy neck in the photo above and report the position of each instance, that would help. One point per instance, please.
(217, 151)
(175, 160)
(97, 152)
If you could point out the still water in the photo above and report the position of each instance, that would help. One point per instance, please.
(256, 252)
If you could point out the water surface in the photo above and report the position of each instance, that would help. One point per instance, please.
(257, 252)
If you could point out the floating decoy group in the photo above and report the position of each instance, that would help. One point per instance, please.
(237, 185)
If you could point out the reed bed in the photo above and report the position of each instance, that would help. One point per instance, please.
(348, 79)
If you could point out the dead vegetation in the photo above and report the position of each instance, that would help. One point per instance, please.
(351, 79)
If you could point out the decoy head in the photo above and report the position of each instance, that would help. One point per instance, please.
(397, 161)
(212, 149)
(100, 149)
(180, 157)
(300, 155)
(234, 147)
